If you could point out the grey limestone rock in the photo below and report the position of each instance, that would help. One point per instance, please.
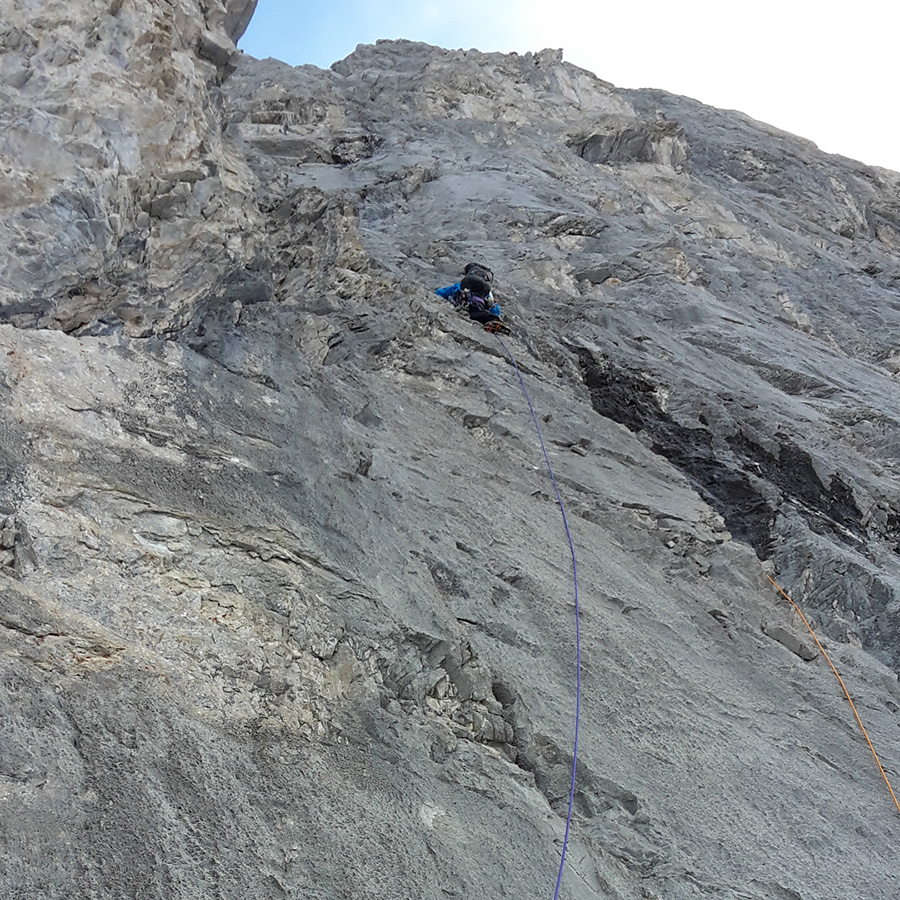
(286, 604)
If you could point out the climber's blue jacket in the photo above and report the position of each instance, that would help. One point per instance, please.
(453, 293)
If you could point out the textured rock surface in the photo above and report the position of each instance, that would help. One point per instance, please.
(286, 604)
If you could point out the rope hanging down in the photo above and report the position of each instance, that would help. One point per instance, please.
(844, 686)
(562, 510)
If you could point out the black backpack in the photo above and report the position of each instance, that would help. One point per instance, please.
(478, 279)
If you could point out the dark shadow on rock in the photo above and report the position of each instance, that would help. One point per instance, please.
(735, 484)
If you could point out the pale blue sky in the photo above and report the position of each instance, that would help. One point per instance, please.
(824, 72)
(301, 31)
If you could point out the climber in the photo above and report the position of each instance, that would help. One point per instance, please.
(473, 292)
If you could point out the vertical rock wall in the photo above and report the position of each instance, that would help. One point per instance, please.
(285, 601)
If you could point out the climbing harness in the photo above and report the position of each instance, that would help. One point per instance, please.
(844, 686)
(562, 510)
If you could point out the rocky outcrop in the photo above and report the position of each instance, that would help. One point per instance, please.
(286, 604)
(114, 164)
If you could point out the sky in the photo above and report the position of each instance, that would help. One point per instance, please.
(825, 71)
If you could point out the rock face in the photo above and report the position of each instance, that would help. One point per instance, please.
(287, 606)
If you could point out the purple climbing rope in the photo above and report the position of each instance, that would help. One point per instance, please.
(562, 510)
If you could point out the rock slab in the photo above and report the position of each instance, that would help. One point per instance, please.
(286, 606)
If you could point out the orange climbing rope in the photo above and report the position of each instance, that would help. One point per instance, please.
(844, 686)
